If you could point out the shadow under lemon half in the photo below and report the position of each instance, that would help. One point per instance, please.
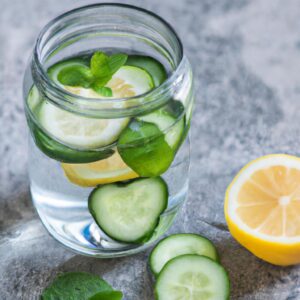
(104, 171)
(262, 208)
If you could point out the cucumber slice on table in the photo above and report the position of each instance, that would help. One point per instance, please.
(192, 277)
(151, 65)
(179, 244)
(149, 144)
(129, 212)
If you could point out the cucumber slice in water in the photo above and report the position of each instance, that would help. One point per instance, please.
(65, 154)
(78, 131)
(83, 134)
(166, 120)
(53, 148)
(179, 244)
(130, 81)
(152, 66)
(192, 277)
(129, 212)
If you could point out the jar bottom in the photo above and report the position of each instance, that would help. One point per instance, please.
(63, 206)
(80, 233)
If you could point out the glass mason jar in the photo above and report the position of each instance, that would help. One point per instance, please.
(61, 198)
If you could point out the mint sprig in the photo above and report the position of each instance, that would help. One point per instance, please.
(102, 68)
(80, 286)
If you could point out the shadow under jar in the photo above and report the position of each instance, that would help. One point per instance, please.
(68, 165)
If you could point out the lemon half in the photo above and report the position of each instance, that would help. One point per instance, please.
(262, 208)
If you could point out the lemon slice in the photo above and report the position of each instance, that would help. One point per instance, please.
(262, 208)
(108, 170)
(77, 131)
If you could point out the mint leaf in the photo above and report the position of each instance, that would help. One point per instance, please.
(75, 76)
(103, 90)
(100, 65)
(103, 67)
(113, 295)
(116, 61)
(75, 286)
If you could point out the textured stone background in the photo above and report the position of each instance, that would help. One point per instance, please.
(246, 58)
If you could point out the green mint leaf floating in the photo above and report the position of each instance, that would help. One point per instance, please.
(99, 65)
(76, 76)
(103, 90)
(143, 148)
(116, 61)
(103, 67)
(75, 286)
(113, 295)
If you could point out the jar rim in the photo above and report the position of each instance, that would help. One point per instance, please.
(152, 94)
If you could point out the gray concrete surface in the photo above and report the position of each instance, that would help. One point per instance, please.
(246, 58)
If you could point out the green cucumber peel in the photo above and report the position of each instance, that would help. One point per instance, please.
(151, 65)
(62, 153)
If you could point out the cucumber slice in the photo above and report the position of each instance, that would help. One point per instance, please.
(129, 212)
(78, 131)
(152, 66)
(179, 244)
(130, 81)
(143, 148)
(166, 120)
(192, 277)
(73, 133)
(53, 148)
(62, 153)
